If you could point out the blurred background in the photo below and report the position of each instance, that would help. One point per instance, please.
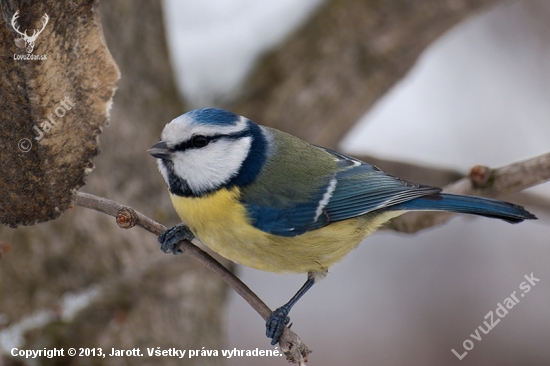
(415, 87)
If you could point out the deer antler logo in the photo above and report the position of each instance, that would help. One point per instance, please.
(29, 40)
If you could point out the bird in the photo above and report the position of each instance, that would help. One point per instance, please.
(271, 201)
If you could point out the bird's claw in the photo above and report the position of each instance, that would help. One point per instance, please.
(170, 239)
(275, 324)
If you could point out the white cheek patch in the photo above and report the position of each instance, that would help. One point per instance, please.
(210, 167)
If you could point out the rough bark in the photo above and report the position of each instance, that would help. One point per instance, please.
(62, 105)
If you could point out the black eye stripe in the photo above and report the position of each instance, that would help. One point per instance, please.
(189, 143)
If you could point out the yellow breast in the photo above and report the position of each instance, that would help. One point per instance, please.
(221, 222)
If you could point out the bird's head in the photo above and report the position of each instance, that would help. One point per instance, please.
(207, 149)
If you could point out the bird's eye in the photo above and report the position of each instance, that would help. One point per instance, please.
(199, 141)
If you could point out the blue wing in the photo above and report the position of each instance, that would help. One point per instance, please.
(363, 188)
(350, 188)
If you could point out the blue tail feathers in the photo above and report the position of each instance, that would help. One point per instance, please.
(469, 205)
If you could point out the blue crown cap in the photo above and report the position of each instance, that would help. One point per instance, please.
(213, 116)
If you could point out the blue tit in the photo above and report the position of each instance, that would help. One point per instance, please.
(270, 201)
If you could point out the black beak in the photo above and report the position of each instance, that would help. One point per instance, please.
(160, 150)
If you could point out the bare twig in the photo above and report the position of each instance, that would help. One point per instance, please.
(482, 181)
(126, 217)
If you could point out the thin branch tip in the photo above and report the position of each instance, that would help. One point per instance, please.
(293, 348)
(480, 176)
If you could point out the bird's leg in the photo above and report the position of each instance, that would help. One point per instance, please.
(171, 238)
(276, 322)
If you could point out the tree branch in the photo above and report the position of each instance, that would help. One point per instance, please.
(482, 181)
(126, 217)
(440, 177)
